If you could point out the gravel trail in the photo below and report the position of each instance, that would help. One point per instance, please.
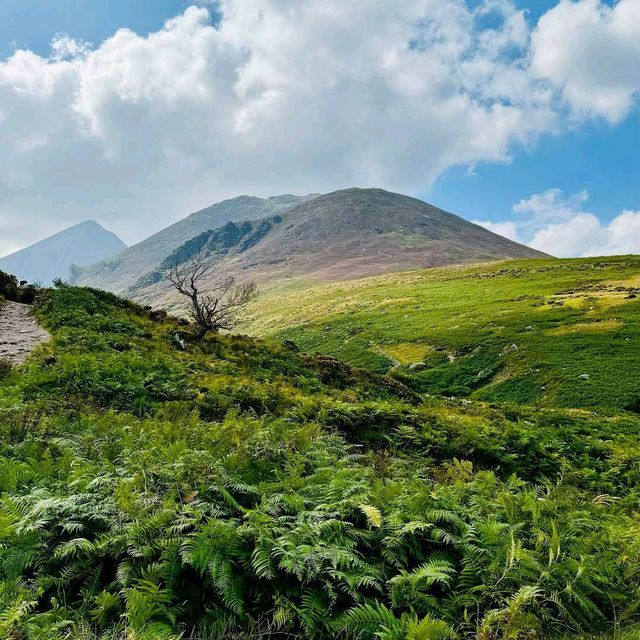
(20, 334)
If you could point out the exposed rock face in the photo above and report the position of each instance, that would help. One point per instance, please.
(124, 271)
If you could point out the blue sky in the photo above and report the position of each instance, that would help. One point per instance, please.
(32, 23)
(599, 157)
(596, 154)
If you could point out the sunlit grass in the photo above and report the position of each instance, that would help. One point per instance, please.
(519, 330)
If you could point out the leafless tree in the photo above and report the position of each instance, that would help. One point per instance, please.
(213, 305)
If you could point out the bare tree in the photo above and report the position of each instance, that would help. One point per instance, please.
(212, 306)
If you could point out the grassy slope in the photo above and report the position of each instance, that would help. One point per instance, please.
(566, 318)
(149, 491)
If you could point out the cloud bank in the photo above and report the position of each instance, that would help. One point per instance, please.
(558, 225)
(284, 96)
(590, 51)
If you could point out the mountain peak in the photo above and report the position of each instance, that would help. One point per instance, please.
(88, 223)
(344, 234)
(81, 244)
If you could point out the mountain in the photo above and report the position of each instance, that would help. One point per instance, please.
(53, 257)
(346, 234)
(121, 271)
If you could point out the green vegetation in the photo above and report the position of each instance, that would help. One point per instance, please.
(238, 489)
(11, 289)
(544, 332)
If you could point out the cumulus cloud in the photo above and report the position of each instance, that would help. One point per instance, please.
(591, 51)
(275, 96)
(64, 47)
(584, 235)
(507, 229)
(551, 205)
(556, 224)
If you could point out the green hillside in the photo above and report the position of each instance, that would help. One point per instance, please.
(238, 489)
(545, 332)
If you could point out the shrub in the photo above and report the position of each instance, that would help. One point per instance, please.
(16, 291)
(5, 368)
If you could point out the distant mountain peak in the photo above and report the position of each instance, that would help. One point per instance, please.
(88, 223)
(81, 244)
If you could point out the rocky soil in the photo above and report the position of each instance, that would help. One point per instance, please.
(20, 334)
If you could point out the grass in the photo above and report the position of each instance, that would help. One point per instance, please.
(239, 489)
(545, 332)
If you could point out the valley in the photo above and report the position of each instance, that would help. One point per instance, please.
(319, 320)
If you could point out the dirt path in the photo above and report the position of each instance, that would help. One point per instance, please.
(19, 332)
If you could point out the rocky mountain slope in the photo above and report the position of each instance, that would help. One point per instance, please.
(81, 244)
(122, 271)
(345, 234)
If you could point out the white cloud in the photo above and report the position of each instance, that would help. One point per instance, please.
(584, 235)
(592, 52)
(276, 96)
(556, 224)
(507, 229)
(551, 205)
(64, 47)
